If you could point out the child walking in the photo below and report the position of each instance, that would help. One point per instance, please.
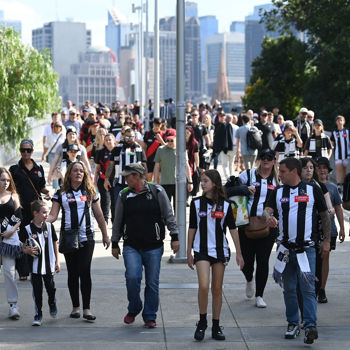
(45, 261)
(10, 245)
(210, 214)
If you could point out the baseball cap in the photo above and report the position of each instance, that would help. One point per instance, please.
(73, 147)
(318, 121)
(267, 151)
(324, 161)
(134, 168)
(170, 134)
(71, 129)
(303, 110)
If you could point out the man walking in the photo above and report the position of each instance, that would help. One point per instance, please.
(297, 205)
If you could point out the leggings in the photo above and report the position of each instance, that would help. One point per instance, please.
(259, 250)
(107, 200)
(37, 283)
(79, 268)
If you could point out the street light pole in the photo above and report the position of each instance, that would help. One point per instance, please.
(147, 77)
(156, 60)
(180, 132)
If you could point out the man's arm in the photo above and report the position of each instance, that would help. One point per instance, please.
(340, 217)
(327, 228)
(156, 173)
(117, 227)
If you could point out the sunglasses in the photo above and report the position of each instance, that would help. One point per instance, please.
(58, 126)
(128, 137)
(26, 150)
(269, 158)
(264, 115)
(170, 140)
(194, 115)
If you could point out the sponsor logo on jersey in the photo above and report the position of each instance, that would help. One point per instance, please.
(301, 199)
(284, 200)
(202, 214)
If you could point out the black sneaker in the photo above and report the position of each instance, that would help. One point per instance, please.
(321, 298)
(200, 331)
(311, 334)
(53, 310)
(38, 319)
(216, 333)
(292, 331)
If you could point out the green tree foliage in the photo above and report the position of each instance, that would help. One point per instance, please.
(28, 87)
(327, 26)
(278, 76)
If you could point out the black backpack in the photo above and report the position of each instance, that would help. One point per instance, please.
(254, 140)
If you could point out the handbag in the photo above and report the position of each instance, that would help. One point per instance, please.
(69, 239)
(239, 205)
(257, 228)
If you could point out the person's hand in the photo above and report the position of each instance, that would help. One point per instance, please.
(57, 267)
(190, 260)
(324, 249)
(47, 196)
(30, 250)
(43, 158)
(116, 252)
(341, 235)
(175, 246)
(7, 234)
(272, 222)
(239, 154)
(252, 189)
(189, 187)
(240, 261)
(107, 185)
(106, 241)
(49, 179)
(331, 212)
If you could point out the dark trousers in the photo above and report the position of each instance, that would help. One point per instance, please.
(170, 190)
(79, 272)
(37, 283)
(107, 200)
(259, 250)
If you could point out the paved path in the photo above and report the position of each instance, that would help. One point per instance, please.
(246, 327)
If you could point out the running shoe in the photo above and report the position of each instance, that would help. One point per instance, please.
(13, 312)
(150, 324)
(216, 333)
(311, 334)
(200, 331)
(38, 319)
(260, 303)
(292, 331)
(53, 310)
(249, 289)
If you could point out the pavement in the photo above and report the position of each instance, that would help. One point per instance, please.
(245, 326)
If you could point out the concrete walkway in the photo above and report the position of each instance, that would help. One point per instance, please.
(245, 326)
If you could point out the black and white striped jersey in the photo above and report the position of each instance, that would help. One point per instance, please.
(45, 236)
(263, 189)
(125, 154)
(73, 204)
(341, 140)
(318, 146)
(210, 221)
(297, 209)
(286, 148)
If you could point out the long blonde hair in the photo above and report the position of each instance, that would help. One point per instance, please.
(86, 184)
(274, 170)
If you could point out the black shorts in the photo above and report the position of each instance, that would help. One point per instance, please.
(333, 242)
(150, 166)
(212, 260)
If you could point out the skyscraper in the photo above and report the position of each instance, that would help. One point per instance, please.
(255, 33)
(65, 41)
(233, 47)
(191, 9)
(117, 31)
(237, 26)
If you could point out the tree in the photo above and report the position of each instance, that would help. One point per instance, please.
(28, 87)
(278, 76)
(326, 24)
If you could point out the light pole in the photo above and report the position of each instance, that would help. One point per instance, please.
(156, 60)
(147, 77)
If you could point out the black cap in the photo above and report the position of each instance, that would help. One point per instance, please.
(324, 161)
(319, 122)
(267, 151)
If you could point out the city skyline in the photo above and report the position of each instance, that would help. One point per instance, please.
(34, 13)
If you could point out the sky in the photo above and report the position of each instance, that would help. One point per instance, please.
(34, 13)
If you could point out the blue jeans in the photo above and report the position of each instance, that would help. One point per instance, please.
(291, 277)
(133, 261)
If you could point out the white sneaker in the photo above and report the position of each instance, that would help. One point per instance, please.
(249, 289)
(260, 302)
(13, 312)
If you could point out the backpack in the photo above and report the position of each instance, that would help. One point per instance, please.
(254, 140)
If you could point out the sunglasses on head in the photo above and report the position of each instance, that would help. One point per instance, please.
(28, 150)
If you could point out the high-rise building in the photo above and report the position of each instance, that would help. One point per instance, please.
(237, 26)
(232, 45)
(65, 41)
(208, 26)
(255, 33)
(16, 25)
(95, 77)
(191, 9)
(117, 31)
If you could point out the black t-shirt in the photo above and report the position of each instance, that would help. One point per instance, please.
(102, 158)
(268, 130)
(199, 132)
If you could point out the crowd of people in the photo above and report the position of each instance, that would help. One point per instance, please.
(105, 166)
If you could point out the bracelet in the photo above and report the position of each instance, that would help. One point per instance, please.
(190, 183)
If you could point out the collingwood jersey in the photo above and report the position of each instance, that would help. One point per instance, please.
(73, 204)
(297, 209)
(45, 236)
(286, 148)
(124, 154)
(341, 140)
(263, 189)
(210, 221)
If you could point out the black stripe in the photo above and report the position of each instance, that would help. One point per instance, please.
(256, 198)
(203, 229)
(346, 141)
(219, 239)
(73, 208)
(47, 254)
(285, 212)
(301, 216)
